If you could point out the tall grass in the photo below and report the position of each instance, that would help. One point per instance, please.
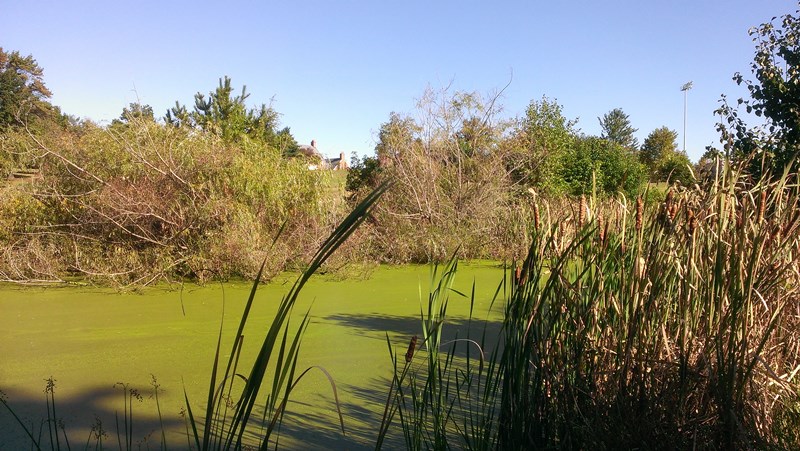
(669, 327)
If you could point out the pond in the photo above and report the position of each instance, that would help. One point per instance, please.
(89, 339)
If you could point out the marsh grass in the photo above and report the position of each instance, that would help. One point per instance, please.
(674, 326)
(628, 325)
(449, 399)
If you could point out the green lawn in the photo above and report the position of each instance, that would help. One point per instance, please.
(88, 339)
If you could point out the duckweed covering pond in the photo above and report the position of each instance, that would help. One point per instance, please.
(89, 339)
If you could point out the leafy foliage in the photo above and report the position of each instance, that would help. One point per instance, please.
(658, 146)
(452, 187)
(774, 97)
(364, 173)
(595, 165)
(537, 144)
(145, 202)
(22, 91)
(663, 159)
(134, 111)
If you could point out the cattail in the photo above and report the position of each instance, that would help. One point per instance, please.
(639, 213)
(601, 232)
(690, 222)
(740, 216)
(580, 212)
(411, 347)
(762, 205)
(670, 208)
(536, 216)
(668, 199)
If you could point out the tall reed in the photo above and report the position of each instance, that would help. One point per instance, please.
(668, 330)
(226, 421)
(673, 326)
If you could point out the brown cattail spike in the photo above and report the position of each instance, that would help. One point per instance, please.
(639, 213)
(601, 232)
(411, 347)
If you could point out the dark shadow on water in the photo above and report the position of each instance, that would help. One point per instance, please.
(486, 333)
(79, 413)
(313, 424)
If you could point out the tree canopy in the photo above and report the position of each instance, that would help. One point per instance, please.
(774, 97)
(22, 90)
(539, 140)
(658, 145)
(616, 127)
(226, 115)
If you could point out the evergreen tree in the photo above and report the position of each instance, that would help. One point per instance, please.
(22, 90)
(226, 115)
(616, 126)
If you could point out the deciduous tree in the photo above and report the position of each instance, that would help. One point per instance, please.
(658, 145)
(537, 143)
(601, 166)
(774, 97)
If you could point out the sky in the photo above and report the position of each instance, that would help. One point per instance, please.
(335, 70)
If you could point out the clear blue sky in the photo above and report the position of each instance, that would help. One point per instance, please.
(336, 69)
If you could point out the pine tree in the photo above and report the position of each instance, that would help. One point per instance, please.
(617, 128)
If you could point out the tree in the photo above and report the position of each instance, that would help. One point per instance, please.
(451, 186)
(658, 145)
(617, 128)
(602, 166)
(135, 111)
(537, 143)
(395, 136)
(226, 115)
(774, 97)
(676, 167)
(22, 90)
(663, 159)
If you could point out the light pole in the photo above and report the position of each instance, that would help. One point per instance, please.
(685, 88)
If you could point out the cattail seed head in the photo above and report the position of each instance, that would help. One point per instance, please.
(639, 213)
(412, 345)
(581, 211)
(762, 205)
(536, 216)
(601, 232)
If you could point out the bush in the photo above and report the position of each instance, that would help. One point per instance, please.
(595, 165)
(143, 202)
